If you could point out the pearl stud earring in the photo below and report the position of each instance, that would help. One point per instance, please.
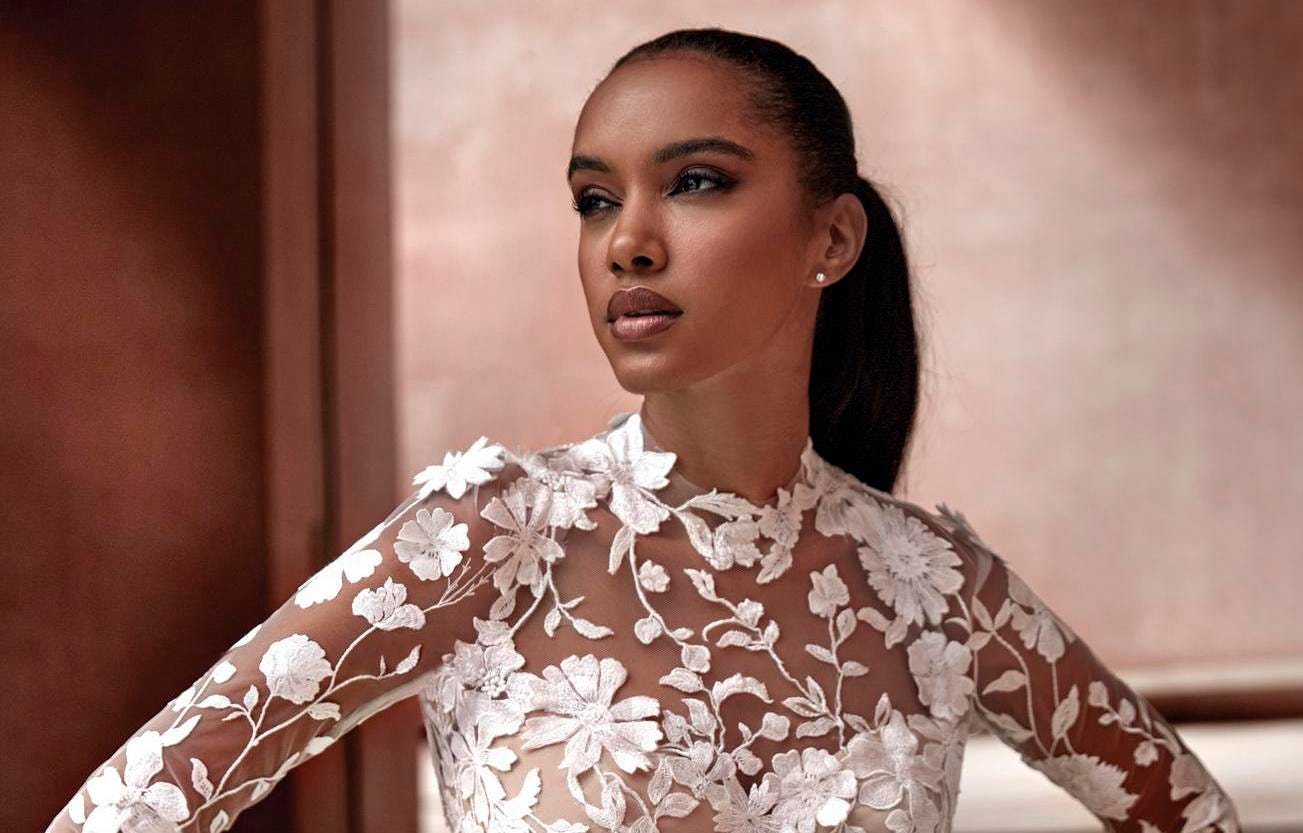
(819, 276)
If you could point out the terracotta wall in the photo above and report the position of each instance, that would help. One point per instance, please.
(1102, 203)
(131, 463)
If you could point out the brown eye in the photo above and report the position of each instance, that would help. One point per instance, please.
(584, 203)
(704, 175)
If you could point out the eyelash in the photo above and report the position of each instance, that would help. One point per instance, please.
(583, 202)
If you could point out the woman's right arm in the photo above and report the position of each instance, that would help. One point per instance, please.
(356, 637)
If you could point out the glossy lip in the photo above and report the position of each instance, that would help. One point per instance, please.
(638, 299)
(638, 327)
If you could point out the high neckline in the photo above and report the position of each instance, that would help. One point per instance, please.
(680, 485)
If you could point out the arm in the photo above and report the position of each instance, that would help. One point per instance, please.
(1042, 691)
(359, 635)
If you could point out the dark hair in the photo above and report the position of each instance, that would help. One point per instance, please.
(864, 377)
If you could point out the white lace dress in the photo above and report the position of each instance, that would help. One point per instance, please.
(599, 644)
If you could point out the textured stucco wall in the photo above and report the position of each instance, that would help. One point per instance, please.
(1102, 201)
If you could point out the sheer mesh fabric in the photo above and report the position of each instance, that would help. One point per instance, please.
(599, 644)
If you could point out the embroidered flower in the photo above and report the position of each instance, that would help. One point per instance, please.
(886, 763)
(920, 814)
(524, 546)
(568, 491)
(829, 592)
(432, 544)
(386, 609)
(461, 469)
(294, 668)
(740, 811)
(118, 798)
(940, 669)
(908, 565)
(699, 765)
(1040, 627)
(577, 697)
(1094, 783)
(632, 471)
(487, 668)
(812, 787)
(749, 612)
(491, 665)
(838, 491)
(475, 760)
(943, 749)
(653, 577)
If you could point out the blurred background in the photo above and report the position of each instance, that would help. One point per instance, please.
(246, 249)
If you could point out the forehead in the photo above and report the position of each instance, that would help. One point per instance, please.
(648, 103)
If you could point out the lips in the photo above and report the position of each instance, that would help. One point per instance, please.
(639, 301)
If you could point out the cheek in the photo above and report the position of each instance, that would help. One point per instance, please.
(596, 283)
(740, 269)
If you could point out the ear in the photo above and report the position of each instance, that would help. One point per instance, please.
(842, 225)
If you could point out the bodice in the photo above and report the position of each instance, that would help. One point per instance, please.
(599, 644)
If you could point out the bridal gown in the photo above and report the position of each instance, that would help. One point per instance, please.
(598, 643)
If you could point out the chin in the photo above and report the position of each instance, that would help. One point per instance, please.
(658, 371)
(647, 372)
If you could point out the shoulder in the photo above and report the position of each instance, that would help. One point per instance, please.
(464, 483)
(463, 469)
(491, 486)
(901, 530)
(924, 566)
(488, 465)
(879, 510)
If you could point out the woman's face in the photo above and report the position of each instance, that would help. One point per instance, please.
(719, 234)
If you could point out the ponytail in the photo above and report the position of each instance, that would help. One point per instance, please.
(864, 374)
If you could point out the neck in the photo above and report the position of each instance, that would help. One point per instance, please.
(747, 447)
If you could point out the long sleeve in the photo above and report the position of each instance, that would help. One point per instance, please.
(359, 635)
(1039, 688)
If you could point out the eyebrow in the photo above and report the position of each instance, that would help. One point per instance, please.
(715, 144)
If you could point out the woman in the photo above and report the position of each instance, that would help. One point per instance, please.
(711, 614)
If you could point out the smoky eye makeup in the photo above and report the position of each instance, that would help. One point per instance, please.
(587, 201)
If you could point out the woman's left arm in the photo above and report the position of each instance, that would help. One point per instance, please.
(1040, 688)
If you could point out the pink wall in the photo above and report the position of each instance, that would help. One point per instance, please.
(1102, 204)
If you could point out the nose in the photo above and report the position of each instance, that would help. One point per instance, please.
(636, 242)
